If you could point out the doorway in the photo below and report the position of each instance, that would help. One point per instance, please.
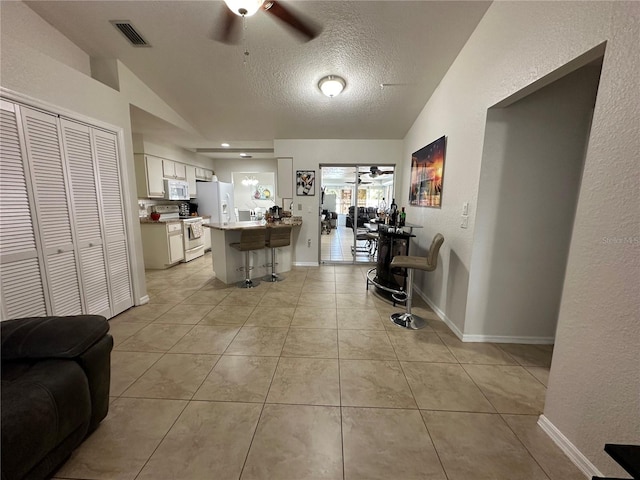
(530, 180)
(351, 196)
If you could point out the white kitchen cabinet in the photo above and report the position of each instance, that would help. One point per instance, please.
(207, 234)
(191, 179)
(173, 170)
(149, 176)
(204, 174)
(62, 181)
(162, 244)
(208, 175)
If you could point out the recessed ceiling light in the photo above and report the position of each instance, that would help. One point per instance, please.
(225, 145)
(245, 155)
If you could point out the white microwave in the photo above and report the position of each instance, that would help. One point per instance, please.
(176, 190)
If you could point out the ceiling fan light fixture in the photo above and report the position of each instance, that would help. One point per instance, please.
(244, 8)
(331, 85)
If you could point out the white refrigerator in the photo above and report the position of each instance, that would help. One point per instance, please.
(216, 199)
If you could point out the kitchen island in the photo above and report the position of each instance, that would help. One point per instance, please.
(227, 260)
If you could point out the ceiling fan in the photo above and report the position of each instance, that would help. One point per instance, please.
(375, 171)
(229, 25)
(360, 182)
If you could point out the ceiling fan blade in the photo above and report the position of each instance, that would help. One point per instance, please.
(228, 27)
(305, 28)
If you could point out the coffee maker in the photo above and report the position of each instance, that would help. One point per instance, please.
(275, 212)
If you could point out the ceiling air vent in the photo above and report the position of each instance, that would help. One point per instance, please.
(129, 31)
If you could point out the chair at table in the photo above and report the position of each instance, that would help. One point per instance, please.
(276, 237)
(250, 239)
(411, 263)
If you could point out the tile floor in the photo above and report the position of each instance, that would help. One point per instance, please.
(336, 246)
(307, 379)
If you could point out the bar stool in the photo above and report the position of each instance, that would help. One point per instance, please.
(276, 237)
(427, 264)
(250, 239)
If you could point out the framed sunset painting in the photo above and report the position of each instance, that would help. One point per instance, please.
(427, 168)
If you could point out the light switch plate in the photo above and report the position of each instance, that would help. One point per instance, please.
(465, 208)
(465, 222)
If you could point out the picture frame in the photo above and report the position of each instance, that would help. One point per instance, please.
(305, 183)
(427, 174)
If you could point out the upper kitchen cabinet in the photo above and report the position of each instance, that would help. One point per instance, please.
(174, 170)
(204, 174)
(149, 176)
(191, 179)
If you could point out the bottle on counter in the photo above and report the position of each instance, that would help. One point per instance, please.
(393, 213)
(403, 218)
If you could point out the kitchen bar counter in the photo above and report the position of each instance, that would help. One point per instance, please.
(227, 261)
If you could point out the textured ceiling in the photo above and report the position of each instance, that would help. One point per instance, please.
(274, 94)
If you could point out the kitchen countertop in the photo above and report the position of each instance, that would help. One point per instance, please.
(171, 220)
(242, 225)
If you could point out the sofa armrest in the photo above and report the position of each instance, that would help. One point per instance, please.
(50, 337)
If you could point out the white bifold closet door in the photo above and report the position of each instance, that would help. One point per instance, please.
(22, 270)
(53, 210)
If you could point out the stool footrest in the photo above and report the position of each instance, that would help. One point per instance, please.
(408, 321)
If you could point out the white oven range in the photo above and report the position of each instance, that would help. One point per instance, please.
(192, 230)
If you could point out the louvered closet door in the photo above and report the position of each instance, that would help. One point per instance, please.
(86, 214)
(49, 181)
(20, 270)
(106, 148)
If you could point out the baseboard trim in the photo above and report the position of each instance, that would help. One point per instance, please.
(568, 448)
(306, 264)
(509, 339)
(454, 328)
(143, 300)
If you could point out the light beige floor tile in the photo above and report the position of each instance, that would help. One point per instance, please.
(541, 373)
(206, 297)
(528, 355)
(311, 342)
(510, 389)
(312, 288)
(309, 381)
(209, 339)
(238, 379)
(125, 440)
(322, 275)
(479, 446)
(243, 297)
(443, 386)
(365, 345)
(144, 313)
(126, 368)
(355, 300)
(296, 442)
(259, 341)
(170, 296)
(388, 443)
(278, 299)
(120, 331)
(477, 353)
(552, 460)
(374, 383)
(317, 300)
(271, 317)
(154, 338)
(184, 314)
(359, 319)
(210, 440)
(228, 315)
(419, 346)
(175, 376)
(307, 317)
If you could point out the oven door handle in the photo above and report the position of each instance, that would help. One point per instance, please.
(195, 249)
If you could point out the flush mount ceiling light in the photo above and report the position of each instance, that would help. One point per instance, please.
(244, 8)
(331, 85)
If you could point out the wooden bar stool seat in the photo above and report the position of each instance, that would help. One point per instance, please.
(250, 239)
(276, 237)
(428, 264)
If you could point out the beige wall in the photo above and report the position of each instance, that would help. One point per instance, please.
(593, 395)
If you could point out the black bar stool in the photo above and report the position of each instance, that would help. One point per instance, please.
(250, 239)
(427, 264)
(276, 237)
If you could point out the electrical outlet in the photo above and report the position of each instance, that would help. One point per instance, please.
(465, 208)
(299, 207)
(465, 222)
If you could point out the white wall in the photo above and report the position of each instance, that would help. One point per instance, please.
(308, 155)
(529, 182)
(142, 144)
(594, 382)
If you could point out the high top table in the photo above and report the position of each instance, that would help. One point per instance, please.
(392, 241)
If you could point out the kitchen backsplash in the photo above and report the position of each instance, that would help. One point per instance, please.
(145, 204)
